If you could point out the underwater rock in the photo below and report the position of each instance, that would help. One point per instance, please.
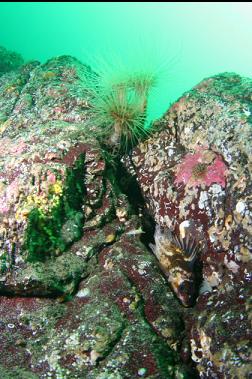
(36, 94)
(42, 195)
(220, 332)
(9, 60)
(81, 295)
(121, 321)
(195, 175)
(48, 161)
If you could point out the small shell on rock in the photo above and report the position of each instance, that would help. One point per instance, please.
(110, 238)
(121, 214)
(240, 207)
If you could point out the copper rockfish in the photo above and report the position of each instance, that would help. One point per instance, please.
(176, 258)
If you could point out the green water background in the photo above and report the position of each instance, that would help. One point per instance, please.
(189, 41)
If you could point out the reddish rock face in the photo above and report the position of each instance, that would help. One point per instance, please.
(220, 332)
(68, 231)
(81, 294)
(195, 175)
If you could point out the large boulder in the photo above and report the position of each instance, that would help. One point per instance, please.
(81, 294)
(121, 323)
(49, 166)
(9, 60)
(195, 176)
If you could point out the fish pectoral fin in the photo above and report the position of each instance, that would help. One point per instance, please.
(163, 269)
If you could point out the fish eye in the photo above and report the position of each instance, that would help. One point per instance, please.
(182, 286)
(186, 287)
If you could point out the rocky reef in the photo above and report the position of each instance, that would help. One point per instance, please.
(9, 60)
(195, 175)
(82, 295)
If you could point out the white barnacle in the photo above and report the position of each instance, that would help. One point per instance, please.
(203, 199)
(240, 207)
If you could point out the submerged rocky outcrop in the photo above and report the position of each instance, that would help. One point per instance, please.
(82, 295)
(195, 175)
(9, 60)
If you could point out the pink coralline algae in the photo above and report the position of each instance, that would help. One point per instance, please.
(11, 193)
(18, 149)
(3, 207)
(51, 178)
(204, 167)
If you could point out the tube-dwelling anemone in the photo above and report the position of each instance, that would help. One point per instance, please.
(143, 82)
(118, 111)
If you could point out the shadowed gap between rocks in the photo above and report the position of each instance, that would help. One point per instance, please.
(128, 185)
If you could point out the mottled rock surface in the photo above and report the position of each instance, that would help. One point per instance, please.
(9, 60)
(46, 166)
(122, 320)
(195, 176)
(81, 294)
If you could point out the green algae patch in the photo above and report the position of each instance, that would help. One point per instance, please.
(50, 232)
(4, 262)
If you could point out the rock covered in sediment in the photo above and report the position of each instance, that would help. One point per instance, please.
(220, 333)
(81, 296)
(122, 320)
(46, 165)
(67, 231)
(9, 60)
(195, 175)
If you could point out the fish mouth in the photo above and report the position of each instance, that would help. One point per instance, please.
(186, 302)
